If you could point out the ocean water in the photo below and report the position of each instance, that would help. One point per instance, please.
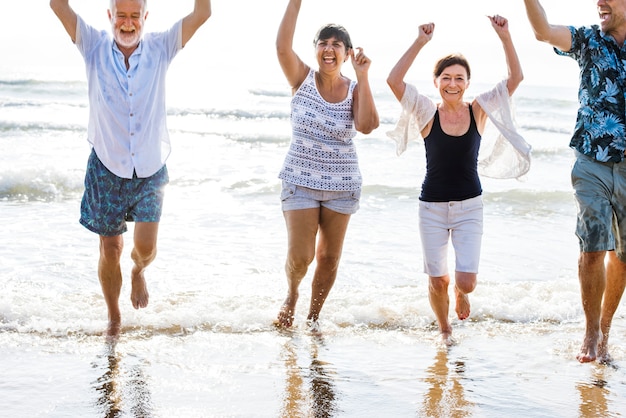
(222, 218)
(205, 346)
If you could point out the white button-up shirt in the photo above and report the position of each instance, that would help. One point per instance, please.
(127, 113)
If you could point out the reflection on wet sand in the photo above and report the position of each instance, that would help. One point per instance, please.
(445, 396)
(309, 392)
(295, 399)
(594, 395)
(322, 386)
(120, 391)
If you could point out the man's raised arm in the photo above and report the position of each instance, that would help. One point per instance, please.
(191, 22)
(66, 15)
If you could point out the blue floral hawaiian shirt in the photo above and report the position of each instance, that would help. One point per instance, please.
(600, 124)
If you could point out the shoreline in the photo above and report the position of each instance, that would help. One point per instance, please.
(496, 369)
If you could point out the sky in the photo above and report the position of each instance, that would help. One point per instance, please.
(238, 40)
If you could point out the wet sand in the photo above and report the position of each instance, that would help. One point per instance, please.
(495, 370)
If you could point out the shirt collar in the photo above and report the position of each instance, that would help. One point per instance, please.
(610, 38)
(137, 50)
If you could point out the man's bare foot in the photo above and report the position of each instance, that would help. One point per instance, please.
(462, 304)
(286, 314)
(588, 352)
(605, 359)
(603, 351)
(139, 290)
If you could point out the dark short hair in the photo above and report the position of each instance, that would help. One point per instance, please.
(452, 59)
(333, 30)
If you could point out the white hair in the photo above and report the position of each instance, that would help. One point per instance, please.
(112, 5)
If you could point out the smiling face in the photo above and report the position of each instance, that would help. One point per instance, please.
(451, 76)
(612, 15)
(331, 52)
(332, 45)
(127, 19)
(452, 82)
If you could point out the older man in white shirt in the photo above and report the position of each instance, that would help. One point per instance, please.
(126, 171)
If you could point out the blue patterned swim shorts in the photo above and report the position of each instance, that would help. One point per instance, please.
(110, 201)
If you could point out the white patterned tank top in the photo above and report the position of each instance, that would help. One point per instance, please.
(322, 155)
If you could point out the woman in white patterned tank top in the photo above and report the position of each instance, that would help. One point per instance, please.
(321, 177)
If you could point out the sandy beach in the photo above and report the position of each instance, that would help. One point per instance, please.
(496, 370)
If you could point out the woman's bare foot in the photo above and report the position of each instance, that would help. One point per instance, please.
(446, 339)
(113, 331)
(462, 304)
(314, 327)
(286, 313)
(139, 290)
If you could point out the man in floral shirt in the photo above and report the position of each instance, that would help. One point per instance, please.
(599, 173)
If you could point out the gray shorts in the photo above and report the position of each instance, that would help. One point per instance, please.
(600, 192)
(297, 197)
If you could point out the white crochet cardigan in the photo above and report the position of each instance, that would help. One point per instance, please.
(503, 152)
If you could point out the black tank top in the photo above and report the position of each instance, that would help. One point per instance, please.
(451, 164)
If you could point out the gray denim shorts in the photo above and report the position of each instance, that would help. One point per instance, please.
(297, 197)
(600, 192)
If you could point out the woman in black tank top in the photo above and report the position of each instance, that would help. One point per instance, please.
(451, 164)
(450, 201)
